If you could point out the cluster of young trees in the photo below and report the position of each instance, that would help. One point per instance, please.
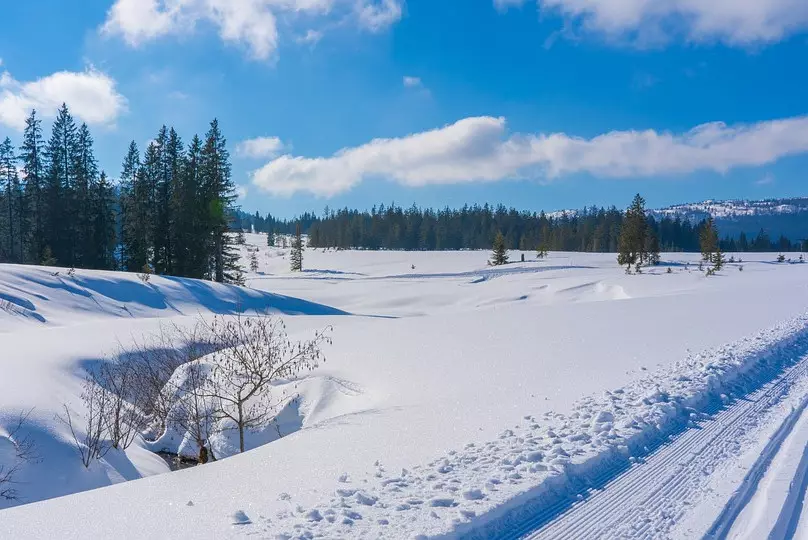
(170, 214)
(217, 376)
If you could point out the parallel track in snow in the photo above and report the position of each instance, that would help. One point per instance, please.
(645, 501)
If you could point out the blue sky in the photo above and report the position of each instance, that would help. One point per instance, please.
(539, 104)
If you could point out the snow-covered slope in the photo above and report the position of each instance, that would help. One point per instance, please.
(410, 426)
(737, 208)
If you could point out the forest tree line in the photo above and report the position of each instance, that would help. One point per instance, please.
(475, 227)
(170, 213)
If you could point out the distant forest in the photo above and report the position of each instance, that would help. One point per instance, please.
(475, 227)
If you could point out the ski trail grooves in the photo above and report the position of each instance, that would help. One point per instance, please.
(649, 498)
(723, 524)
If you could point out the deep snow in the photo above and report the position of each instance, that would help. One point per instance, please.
(425, 363)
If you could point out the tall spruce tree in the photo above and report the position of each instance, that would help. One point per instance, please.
(11, 209)
(102, 205)
(88, 253)
(219, 196)
(500, 250)
(32, 157)
(60, 216)
(194, 239)
(633, 234)
(160, 173)
(708, 240)
(296, 256)
(135, 224)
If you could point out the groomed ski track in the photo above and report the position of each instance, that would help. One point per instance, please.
(648, 499)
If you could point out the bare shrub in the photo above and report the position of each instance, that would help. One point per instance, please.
(24, 451)
(253, 354)
(121, 417)
(89, 440)
(192, 412)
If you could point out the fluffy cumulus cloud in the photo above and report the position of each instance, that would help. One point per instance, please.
(260, 147)
(91, 95)
(734, 22)
(480, 149)
(250, 23)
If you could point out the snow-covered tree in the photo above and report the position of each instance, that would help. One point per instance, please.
(296, 256)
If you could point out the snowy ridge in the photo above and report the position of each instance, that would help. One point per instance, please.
(736, 208)
(729, 209)
(493, 489)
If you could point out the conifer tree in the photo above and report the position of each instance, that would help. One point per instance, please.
(33, 168)
(633, 234)
(254, 261)
(135, 213)
(296, 256)
(11, 246)
(500, 250)
(196, 241)
(270, 239)
(219, 197)
(160, 171)
(102, 204)
(708, 239)
(88, 254)
(718, 260)
(60, 216)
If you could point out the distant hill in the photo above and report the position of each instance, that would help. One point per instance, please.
(788, 217)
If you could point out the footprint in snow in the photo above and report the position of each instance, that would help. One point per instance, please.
(240, 518)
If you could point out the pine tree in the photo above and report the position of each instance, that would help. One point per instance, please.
(500, 250)
(134, 213)
(60, 224)
(708, 239)
(651, 251)
(160, 173)
(88, 254)
(296, 256)
(219, 197)
(174, 167)
(270, 239)
(718, 260)
(196, 240)
(633, 234)
(11, 247)
(33, 168)
(254, 261)
(102, 205)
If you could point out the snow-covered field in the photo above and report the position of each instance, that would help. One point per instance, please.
(457, 399)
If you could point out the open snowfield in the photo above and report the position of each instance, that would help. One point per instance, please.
(457, 399)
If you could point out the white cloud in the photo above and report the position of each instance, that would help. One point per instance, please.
(250, 23)
(651, 22)
(377, 15)
(260, 147)
(311, 37)
(412, 82)
(480, 149)
(241, 192)
(91, 96)
(767, 179)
